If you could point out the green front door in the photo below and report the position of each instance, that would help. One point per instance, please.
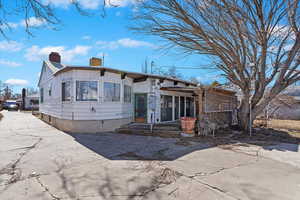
(140, 107)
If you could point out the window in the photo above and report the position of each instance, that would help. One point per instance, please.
(50, 90)
(127, 94)
(34, 102)
(42, 95)
(111, 91)
(66, 91)
(86, 90)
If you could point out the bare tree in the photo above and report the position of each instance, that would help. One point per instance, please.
(255, 42)
(40, 11)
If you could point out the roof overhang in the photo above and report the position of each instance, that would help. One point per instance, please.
(196, 90)
(137, 77)
(180, 89)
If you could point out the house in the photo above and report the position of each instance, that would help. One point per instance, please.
(95, 98)
(31, 102)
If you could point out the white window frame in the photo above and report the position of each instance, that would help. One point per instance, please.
(42, 95)
(88, 101)
(126, 85)
(70, 82)
(120, 95)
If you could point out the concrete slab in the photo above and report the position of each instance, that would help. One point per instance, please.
(45, 163)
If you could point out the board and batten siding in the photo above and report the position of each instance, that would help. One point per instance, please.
(85, 110)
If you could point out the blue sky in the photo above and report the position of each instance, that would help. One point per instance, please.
(80, 37)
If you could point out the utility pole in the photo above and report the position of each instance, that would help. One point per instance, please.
(146, 65)
(152, 65)
(251, 65)
(103, 59)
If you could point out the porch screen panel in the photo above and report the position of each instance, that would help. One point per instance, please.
(182, 106)
(176, 108)
(166, 108)
(215, 102)
(189, 107)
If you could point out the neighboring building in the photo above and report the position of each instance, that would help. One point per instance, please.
(95, 98)
(31, 102)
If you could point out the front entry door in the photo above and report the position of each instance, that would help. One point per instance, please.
(140, 108)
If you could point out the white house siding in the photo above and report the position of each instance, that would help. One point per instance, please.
(76, 110)
(101, 110)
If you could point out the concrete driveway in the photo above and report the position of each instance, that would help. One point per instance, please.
(41, 162)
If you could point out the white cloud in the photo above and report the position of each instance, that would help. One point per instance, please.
(89, 4)
(30, 22)
(119, 3)
(12, 46)
(33, 22)
(16, 82)
(86, 37)
(9, 25)
(281, 31)
(101, 54)
(86, 4)
(127, 42)
(124, 42)
(36, 53)
(59, 3)
(9, 63)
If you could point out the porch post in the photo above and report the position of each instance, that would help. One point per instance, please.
(179, 110)
(194, 106)
(185, 106)
(173, 108)
(201, 94)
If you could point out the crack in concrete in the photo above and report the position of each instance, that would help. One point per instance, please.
(212, 187)
(12, 170)
(54, 197)
(204, 174)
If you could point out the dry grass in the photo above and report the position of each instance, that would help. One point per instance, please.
(1, 116)
(285, 124)
(291, 127)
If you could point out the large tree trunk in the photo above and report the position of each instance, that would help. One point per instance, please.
(244, 115)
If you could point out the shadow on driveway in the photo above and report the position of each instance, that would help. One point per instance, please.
(116, 146)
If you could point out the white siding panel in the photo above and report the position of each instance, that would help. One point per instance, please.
(85, 110)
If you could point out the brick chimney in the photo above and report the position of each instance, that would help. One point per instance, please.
(54, 57)
(95, 62)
